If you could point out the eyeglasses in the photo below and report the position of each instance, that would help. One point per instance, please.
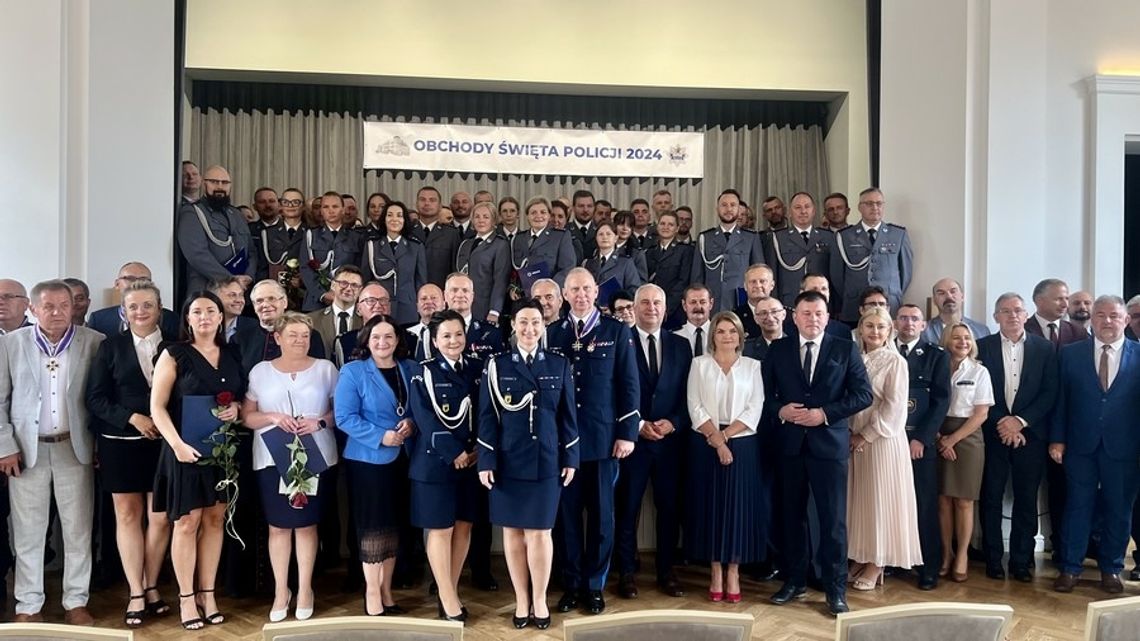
(11, 297)
(291, 202)
(873, 203)
(373, 301)
(622, 308)
(216, 181)
(268, 299)
(348, 284)
(875, 303)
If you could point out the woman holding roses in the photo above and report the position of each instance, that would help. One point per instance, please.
(292, 393)
(192, 495)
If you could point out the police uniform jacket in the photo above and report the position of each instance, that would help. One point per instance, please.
(670, 269)
(445, 416)
(527, 437)
(617, 267)
(856, 264)
(402, 271)
(329, 250)
(605, 381)
(484, 340)
(441, 244)
(208, 238)
(720, 262)
(630, 251)
(791, 258)
(584, 235)
(929, 396)
(275, 246)
(551, 246)
(488, 263)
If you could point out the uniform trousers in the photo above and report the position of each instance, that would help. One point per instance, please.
(926, 500)
(586, 553)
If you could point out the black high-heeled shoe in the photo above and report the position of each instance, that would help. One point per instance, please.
(520, 622)
(156, 608)
(541, 623)
(134, 618)
(444, 616)
(196, 623)
(215, 618)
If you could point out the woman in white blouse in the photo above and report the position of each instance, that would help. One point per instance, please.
(292, 393)
(728, 494)
(961, 447)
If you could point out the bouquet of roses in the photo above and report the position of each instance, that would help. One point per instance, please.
(223, 455)
(323, 275)
(290, 278)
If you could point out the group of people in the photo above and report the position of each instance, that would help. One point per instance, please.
(454, 376)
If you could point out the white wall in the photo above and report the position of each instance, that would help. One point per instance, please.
(88, 152)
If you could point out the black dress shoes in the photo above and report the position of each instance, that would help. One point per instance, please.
(995, 572)
(787, 593)
(568, 602)
(670, 586)
(837, 604)
(1134, 575)
(927, 583)
(1022, 575)
(595, 602)
(627, 587)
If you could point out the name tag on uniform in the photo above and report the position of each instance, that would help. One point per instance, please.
(964, 383)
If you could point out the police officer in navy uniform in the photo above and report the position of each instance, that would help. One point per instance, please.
(543, 243)
(397, 261)
(604, 361)
(328, 247)
(528, 453)
(798, 250)
(724, 252)
(670, 265)
(486, 258)
(927, 405)
(871, 252)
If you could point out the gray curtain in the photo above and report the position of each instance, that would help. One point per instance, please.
(310, 137)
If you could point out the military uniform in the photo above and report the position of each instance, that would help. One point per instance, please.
(276, 244)
(670, 269)
(402, 270)
(608, 396)
(488, 263)
(792, 256)
(329, 250)
(209, 239)
(584, 235)
(720, 260)
(619, 268)
(857, 263)
(630, 251)
(441, 244)
(551, 246)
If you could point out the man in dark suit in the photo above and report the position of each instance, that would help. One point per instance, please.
(1093, 434)
(812, 383)
(663, 361)
(440, 241)
(1023, 369)
(581, 224)
(927, 403)
(340, 316)
(110, 320)
(758, 283)
(770, 313)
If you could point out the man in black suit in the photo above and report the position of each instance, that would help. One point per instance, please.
(927, 403)
(440, 241)
(770, 313)
(663, 361)
(1023, 369)
(812, 383)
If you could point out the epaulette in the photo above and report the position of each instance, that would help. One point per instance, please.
(896, 226)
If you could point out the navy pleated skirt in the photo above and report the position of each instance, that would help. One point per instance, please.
(729, 506)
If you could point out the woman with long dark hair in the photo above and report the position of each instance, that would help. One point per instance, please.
(397, 261)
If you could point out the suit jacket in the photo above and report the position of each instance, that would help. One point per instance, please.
(198, 233)
(1036, 388)
(366, 408)
(839, 387)
(856, 264)
(553, 247)
(435, 444)
(116, 387)
(489, 266)
(107, 322)
(720, 264)
(670, 269)
(20, 372)
(440, 247)
(326, 324)
(401, 271)
(791, 258)
(256, 345)
(1068, 332)
(584, 236)
(664, 397)
(928, 397)
(274, 246)
(1086, 416)
(329, 252)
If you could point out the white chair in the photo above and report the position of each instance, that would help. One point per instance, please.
(1113, 620)
(927, 621)
(60, 632)
(363, 628)
(661, 625)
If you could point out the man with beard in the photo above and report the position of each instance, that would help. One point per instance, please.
(603, 210)
(724, 252)
(191, 182)
(1080, 310)
(268, 212)
(835, 211)
(948, 298)
(461, 211)
(774, 213)
(684, 225)
(212, 236)
(581, 225)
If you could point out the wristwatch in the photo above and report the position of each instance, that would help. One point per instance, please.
(322, 424)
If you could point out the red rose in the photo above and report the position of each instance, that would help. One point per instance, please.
(298, 501)
(224, 398)
(314, 264)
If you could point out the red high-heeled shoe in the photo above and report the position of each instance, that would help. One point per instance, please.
(732, 598)
(716, 597)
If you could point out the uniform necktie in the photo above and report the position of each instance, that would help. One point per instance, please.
(334, 235)
(476, 243)
(1053, 333)
(807, 360)
(904, 350)
(529, 360)
(871, 233)
(581, 326)
(699, 342)
(392, 244)
(1103, 369)
(292, 233)
(342, 323)
(653, 368)
(727, 235)
(805, 236)
(459, 366)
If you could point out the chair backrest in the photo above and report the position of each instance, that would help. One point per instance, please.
(364, 628)
(927, 621)
(60, 632)
(1113, 620)
(661, 625)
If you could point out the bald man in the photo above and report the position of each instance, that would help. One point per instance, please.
(111, 320)
(212, 236)
(13, 306)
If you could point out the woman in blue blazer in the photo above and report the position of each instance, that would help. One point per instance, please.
(397, 261)
(372, 409)
(445, 489)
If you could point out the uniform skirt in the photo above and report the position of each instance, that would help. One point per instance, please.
(962, 478)
(437, 506)
(127, 466)
(278, 512)
(529, 505)
(728, 505)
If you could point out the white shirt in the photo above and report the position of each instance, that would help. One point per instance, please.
(420, 331)
(724, 398)
(309, 395)
(231, 328)
(910, 346)
(1012, 359)
(145, 349)
(689, 332)
(1044, 324)
(525, 354)
(643, 336)
(1113, 357)
(867, 228)
(53, 395)
(970, 386)
(816, 342)
(336, 310)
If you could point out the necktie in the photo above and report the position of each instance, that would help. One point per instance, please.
(871, 233)
(805, 236)
(334, 235)
(392, 244)
(292, 233)
(1053, 338)
(904, 350)
(427, 231)
(807, 360)
(699, 342)
(581, 326)
(342, 322)
(529, 360)
(727, 235)
(476, 243)
(653, 368)
(530, 243)
(511, 239)
(1103, 369)
(459, 366)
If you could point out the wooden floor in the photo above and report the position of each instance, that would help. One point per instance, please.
(1039, 613)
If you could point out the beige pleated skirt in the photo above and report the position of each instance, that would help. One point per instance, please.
(962, 478)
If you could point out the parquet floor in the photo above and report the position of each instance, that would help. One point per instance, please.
(1040, 613)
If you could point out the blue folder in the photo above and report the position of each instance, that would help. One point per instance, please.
(529, 274)
(199, 422)
(238, 264)
(606, 292)
(278, 441)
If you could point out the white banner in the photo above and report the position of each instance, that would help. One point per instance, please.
(532, 150)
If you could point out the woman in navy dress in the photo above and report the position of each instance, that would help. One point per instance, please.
(118, 397)
(201, 365)
(445, 487)
(371, 405)
(528, 442)
(608, 263)
(397, 261)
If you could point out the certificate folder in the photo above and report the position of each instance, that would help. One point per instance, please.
(199, 422)
(278, 442)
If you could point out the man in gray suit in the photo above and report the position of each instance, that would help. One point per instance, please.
(213, 237)
(724, 252)
(45, 445)
(871, 252)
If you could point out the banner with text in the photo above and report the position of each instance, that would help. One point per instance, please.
(533, 150)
